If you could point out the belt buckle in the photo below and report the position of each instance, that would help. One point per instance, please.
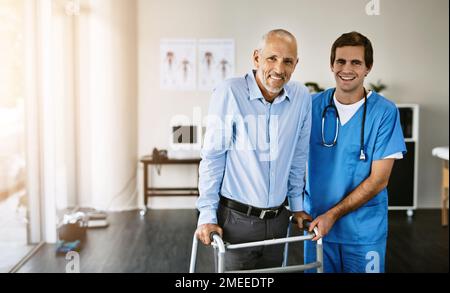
(263, 213)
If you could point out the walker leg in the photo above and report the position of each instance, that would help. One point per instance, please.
(319, 252)
(286, 246)
(193, 255)
(221, 262)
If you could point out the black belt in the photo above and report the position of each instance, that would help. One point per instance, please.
(268, 213)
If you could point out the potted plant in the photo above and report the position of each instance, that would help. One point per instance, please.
(377, 87)
(313, 87)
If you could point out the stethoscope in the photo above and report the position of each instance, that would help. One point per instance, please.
(362, 155)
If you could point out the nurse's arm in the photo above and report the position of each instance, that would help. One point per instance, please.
(377, 181)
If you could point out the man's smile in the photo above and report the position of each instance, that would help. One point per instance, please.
(277, 78)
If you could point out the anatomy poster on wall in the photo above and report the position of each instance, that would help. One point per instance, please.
(215, 61)
(178, 64)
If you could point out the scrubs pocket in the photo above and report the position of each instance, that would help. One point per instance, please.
(352, 160)
(372, 222)
(359, 170)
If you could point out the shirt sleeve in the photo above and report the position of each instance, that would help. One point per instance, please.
(390, 138)
(296, 181)
(213, 155)
(396, 156)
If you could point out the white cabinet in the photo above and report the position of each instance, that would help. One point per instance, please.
(402, 188)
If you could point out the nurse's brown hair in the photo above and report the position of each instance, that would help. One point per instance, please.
(354, 39)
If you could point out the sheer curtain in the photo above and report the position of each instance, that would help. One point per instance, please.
(89, 106)
(106, 84)
(80, 103)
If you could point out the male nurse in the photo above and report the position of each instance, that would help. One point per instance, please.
(355, 139)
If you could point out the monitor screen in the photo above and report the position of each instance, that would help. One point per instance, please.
(184, 134)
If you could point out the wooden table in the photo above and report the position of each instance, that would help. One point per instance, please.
(442, 153)
(148, 162)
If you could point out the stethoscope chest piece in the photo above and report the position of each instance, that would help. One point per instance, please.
(362, 156)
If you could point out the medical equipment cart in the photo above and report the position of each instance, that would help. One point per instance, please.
(220, 247)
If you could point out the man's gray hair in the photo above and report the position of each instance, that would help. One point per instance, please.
(276, 32)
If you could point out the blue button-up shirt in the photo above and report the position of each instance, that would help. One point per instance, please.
(254, 152)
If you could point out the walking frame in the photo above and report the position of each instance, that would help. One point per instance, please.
(222, 247)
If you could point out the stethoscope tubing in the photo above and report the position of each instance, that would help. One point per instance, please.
(362, 155)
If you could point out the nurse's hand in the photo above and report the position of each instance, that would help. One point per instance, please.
(300, 217)
(324, 223)
(204, 231)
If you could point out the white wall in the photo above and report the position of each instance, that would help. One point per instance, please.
(410, 39)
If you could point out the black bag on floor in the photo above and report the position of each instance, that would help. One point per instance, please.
(72, 231)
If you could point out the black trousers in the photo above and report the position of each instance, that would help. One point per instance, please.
(238, 228)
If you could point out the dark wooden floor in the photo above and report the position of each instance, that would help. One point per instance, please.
(161, 242)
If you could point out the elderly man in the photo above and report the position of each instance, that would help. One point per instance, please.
(254, 155)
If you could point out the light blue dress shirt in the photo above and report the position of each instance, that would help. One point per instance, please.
(254, 152)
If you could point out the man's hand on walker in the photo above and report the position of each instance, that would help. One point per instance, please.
(204, 231)
(300, 217)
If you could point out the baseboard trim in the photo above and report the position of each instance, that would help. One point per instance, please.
(35, 249)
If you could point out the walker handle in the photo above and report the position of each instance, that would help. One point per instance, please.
(211, 235)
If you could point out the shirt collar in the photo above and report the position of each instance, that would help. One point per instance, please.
(255, 92)
(369, 93)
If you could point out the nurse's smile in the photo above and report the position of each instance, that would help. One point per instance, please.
(347, 78)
